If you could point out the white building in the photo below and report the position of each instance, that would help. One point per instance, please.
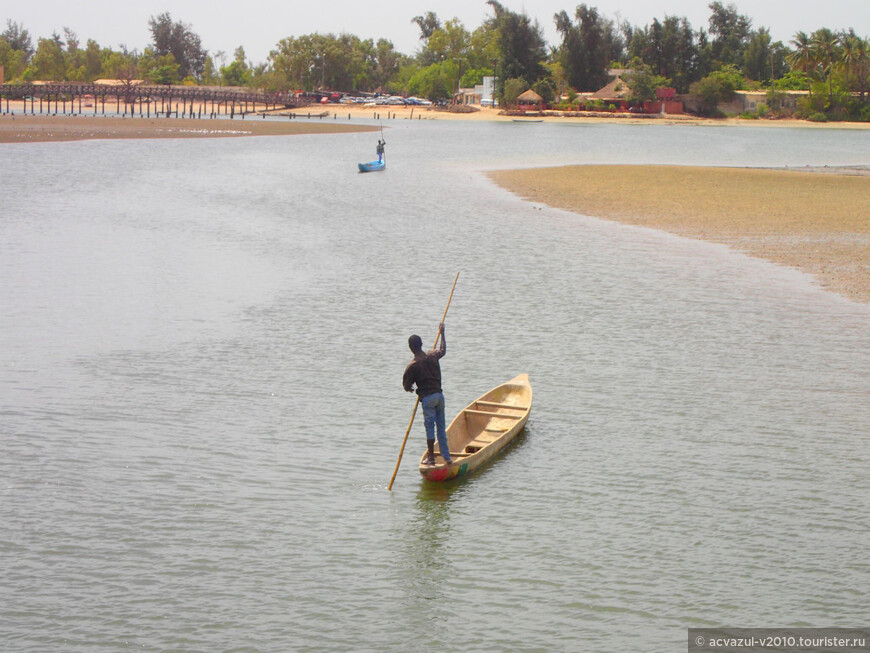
(486, 91)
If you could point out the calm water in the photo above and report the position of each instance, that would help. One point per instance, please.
(201, 408)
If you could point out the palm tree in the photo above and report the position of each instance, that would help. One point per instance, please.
(856, 60)
(826, 46)
(803, 57)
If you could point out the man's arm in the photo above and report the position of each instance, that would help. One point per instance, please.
(443, 349)
(408, 380)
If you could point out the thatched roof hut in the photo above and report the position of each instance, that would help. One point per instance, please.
(530, 98)
(617, 89)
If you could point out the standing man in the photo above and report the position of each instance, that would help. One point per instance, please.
(380, 150)
(425, 372)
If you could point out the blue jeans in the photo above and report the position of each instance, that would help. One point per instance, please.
(433, 415)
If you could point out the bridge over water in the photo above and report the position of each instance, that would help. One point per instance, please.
(126, 97)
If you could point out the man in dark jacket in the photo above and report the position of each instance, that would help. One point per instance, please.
(425, 372)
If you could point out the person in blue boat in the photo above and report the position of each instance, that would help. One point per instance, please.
(425, 372)
(380, 150)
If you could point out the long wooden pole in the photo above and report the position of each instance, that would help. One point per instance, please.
(417, 402)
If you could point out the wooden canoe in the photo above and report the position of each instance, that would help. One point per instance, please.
(482, 429)
(372, 166)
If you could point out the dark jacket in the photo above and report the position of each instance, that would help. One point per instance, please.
(425, 372)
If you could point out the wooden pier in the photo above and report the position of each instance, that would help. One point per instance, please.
(145, 101)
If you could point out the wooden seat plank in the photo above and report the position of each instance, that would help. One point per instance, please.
(490, 414)
(495, 404)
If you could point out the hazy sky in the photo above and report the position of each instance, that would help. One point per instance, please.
(258, 25)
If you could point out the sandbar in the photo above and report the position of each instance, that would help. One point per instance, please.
(32, 129)
(815, 220)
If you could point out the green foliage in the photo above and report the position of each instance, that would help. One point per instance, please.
(718, 86)
(775, 100)
(93, 63)
(341, 62)
(471, 50)
(588, 46)
(116, 64)
(427, 23)
(546, 88)
(209, 73)
(17, 38)
(794, 80)
(521, 46)
(384, 62)
(513, 88)
(474, 76)
(731, 79)
(435, 82)
(179, 40)
(761, 112)
(673, 50)
(165, 71)
(833, 66)
(643, 82)
(763, 59)
(14, 61)
(238, 73)
(855, 62)
(264, 78)
(731, 33)
(48, 63)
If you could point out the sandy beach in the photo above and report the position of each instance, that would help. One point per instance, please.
(347, 113)
(386, 113)
(33, 129)
(816, 220)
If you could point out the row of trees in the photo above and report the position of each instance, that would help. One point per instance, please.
(175, 55)
(730, 53)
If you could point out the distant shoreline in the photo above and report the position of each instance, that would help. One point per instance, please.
(345, 114)
(797, 217)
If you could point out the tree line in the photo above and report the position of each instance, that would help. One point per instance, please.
(712, 62)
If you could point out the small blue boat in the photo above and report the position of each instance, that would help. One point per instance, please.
(372, 166)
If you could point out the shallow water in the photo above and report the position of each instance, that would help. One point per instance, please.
(200, 401)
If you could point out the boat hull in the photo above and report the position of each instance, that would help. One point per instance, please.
(372, 166)
(483, 429)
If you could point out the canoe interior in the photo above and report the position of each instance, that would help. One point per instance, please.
(483, 428)
(372, 166)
